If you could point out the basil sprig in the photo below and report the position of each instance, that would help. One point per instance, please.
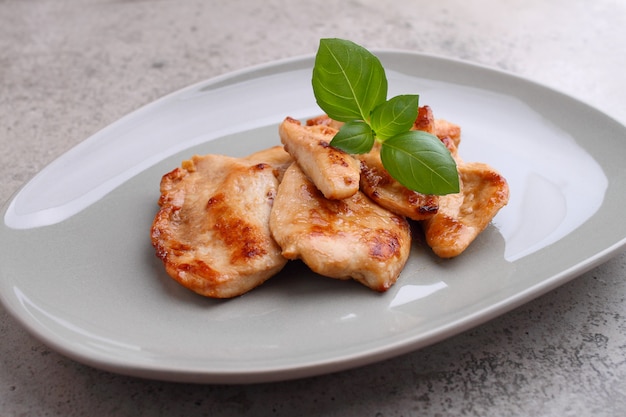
(350, 85)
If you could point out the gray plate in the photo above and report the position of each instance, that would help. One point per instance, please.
(78, 270)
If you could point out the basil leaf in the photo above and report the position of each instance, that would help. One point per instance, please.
(420, 162)
(395, 116)
(348, 81)
(354, 137)
(350, 85)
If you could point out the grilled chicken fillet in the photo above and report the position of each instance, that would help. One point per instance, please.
(349, 238)
(212, 230)
(464, 215)
(334, 172)
(386, 191)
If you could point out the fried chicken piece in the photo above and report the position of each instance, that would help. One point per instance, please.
(386, 191)
(212, 230)
(376, 182)
(334, 172)
(381, 187)
(463, 216)
(349, 238)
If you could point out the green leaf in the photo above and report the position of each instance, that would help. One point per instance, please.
(354, 137)
(350, 85)
(348, 81)
(420, 162)
(395, 116)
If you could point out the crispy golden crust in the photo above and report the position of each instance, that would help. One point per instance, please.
(212, 230)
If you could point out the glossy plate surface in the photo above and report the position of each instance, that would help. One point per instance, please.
(78, 270)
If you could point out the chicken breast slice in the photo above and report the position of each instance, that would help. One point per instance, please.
(386, 191)
(378, 185)
(334, 172)
(212, 230)
(349, 238)
(463, 216)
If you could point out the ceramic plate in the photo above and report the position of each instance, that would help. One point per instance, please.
(79, 272)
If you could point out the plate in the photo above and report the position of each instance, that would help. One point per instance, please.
(78, 270)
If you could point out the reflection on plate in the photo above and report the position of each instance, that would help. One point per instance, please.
(79, 272)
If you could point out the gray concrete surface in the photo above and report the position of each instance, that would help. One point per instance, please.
(70, 67)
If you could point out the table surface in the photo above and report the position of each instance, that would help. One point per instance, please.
(70, 67)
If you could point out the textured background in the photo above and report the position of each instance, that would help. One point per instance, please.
(71, 67)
